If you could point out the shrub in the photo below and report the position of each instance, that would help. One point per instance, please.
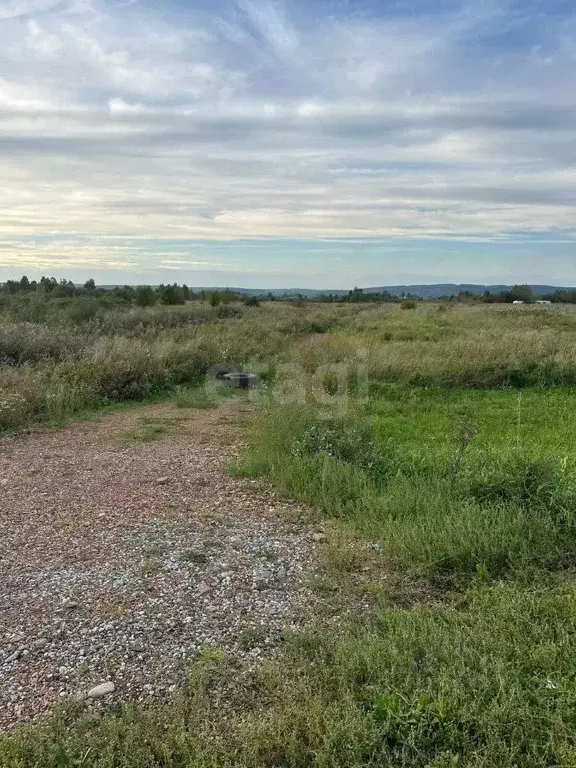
(530, 482)
(23, 343)
(227, 311)
(171, 295)
(214, 299)
(145, 296)
(82, 310)
(350, 443)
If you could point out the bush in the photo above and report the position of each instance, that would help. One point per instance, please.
(214, 299)
(350, 443)
(227, 311)
(82, 310)
(171, 295)
(145, 296)
(24, 343)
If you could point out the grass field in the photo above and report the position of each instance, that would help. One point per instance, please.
(442, 434)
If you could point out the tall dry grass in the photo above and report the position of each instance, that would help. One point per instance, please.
(117, 354)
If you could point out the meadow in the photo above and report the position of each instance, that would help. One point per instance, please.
(441, 434)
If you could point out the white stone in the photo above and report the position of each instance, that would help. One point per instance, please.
(101, 690)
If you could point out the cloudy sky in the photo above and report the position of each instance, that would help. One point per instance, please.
(322, 143)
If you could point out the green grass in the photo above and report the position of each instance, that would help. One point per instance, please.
(448, 486)
(538, 418)
(194, 398)
(194, 556)
(52, 366)
(451, 489)
(485, 681)
(146, 432)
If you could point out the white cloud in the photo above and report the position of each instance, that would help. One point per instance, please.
(119, 119)
(13, 9)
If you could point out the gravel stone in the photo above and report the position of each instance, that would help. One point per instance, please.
(121, 559)
(101, 690)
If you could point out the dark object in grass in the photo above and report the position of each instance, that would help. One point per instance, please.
(240, 380)
(220, 370)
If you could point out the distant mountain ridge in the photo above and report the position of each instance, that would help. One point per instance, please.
(433, 291)
(452, 289)
(424, 291)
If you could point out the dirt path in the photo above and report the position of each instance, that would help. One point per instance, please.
(121, 558)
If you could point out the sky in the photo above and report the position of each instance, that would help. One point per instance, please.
(261, 143)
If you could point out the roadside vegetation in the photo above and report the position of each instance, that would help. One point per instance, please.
(442, 434)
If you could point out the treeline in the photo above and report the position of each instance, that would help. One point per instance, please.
(358, 296)
(140, 295)
(173, 294)
(523, 293)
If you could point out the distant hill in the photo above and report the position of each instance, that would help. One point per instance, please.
(452, 289)
(433, 291)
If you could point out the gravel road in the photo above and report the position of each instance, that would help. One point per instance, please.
(121, 558)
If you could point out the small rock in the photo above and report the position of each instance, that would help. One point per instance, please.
(41, 642)
(162, 481)
(281, 573)
(318, 537)
(204, 588)
(4, 481)
(101, 690)
(72, 604)
(13, 657)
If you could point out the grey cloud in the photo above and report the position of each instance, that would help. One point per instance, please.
(121, 122)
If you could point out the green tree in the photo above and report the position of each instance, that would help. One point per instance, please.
(214, 299)
(145, 296)
(64, 289)
(171, 294)
(357, 294)
(521, 293)
(90, 285)
(47, 284)
(126, 292)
